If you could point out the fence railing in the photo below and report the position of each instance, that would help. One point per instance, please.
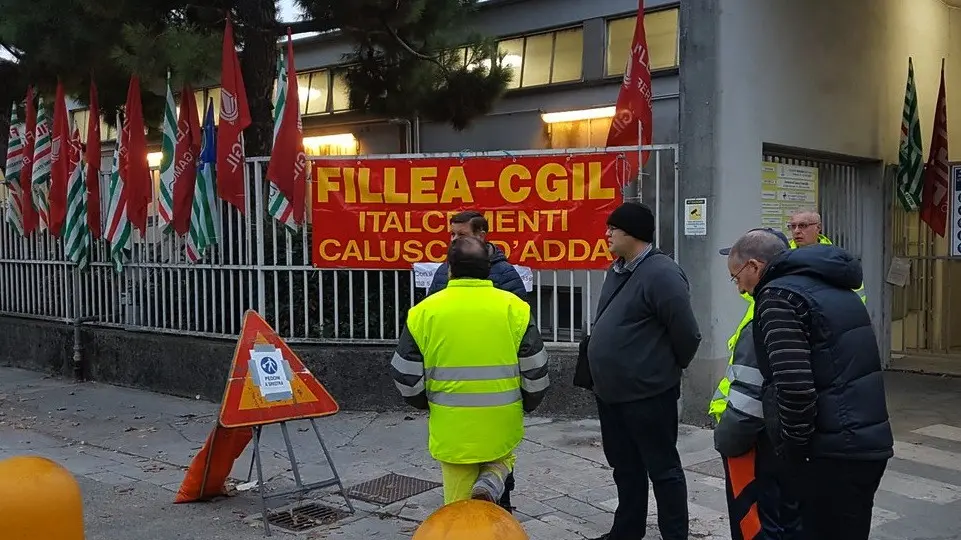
(260, 265)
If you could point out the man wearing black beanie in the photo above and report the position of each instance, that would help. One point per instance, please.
(643, 336)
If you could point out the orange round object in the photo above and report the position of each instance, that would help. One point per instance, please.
(470, 520)
(39, 499)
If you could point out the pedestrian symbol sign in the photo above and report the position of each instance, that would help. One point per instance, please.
(268, 383)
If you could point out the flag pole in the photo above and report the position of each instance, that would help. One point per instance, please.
(640, 160)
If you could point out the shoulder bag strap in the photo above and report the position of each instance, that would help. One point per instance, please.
(621, 286)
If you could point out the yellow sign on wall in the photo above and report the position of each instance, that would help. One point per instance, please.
(785, 189)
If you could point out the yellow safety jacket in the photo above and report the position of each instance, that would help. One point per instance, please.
(471, 350)
(719, 400)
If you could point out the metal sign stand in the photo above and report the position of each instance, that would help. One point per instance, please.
(302, 489)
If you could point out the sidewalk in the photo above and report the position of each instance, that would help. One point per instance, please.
(129, 449)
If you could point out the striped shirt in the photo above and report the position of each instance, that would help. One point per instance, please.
(784, 321)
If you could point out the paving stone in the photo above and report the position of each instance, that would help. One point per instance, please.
(572, 506)
(529, 506)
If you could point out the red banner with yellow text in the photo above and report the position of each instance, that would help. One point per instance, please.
(546, 212)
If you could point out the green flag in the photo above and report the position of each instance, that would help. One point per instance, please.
(910, 160)
(76, 230)
(168, 145)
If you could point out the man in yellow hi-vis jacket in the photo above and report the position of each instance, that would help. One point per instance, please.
(805, 227)
(472, 356)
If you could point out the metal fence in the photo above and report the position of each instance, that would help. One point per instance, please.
(260, 265)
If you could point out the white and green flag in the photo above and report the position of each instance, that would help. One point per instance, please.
(167, 168)
(119, 230)
(910, 159)
(204, 215)
(42, 163)
(76, 230)
(13, 168)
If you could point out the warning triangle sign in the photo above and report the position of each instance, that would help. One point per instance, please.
(268, 383)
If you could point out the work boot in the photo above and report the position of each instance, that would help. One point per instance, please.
(490, 482)
(505, 501)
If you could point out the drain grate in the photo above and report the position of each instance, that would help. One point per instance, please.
(305, 517)
(390, 488)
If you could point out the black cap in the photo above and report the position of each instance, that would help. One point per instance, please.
(775, 232)
(636, 219)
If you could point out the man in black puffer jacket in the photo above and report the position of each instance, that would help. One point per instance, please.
(823, 392)
(504, 276)
(503, 273)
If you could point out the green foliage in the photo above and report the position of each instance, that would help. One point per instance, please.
(406, 62)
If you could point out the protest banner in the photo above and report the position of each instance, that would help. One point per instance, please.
(544, 211)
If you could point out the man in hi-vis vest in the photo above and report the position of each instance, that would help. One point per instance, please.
(805, 227)
(758, 506)
(473, 357)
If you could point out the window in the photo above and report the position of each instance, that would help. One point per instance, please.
(80, 117)
(202, 96)
(579, 134)
(662, 41)
(541, 59)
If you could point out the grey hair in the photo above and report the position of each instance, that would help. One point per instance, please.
(812, 211)
(759, 245)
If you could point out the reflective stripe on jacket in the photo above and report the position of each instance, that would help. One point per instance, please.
(471, 354)
(719, 400)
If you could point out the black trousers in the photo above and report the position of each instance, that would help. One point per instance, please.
(837, 497)
(640, 442)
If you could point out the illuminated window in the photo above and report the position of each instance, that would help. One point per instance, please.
(340, 93)
(662, 40)
(579, 133)
(80, 117)
(542, 59)
(201, 96)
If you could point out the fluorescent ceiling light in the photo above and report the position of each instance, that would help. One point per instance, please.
(574, 116)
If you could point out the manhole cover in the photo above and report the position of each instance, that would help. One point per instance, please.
(305, 517)
(390, 488)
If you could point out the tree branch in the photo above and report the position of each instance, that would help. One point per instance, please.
(13, 51)
(301, 27)
(411, 50)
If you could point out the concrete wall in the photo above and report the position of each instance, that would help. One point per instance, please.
(821, 75)
(357, 377)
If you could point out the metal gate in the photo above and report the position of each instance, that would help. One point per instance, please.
(851, 202)
(925, 313)
(258, 265)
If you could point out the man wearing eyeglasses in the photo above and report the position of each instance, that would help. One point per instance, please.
(823, 399)
(805, 227)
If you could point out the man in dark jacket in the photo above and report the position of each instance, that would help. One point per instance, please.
(503, 273)
(644, 335)
(823, 391)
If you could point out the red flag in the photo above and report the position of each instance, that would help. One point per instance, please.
(30, 217)
(136, 170)
(93, 156)
(59, 163)
(185, 160)
(634, 98)
(934, 194)
(234, 118)
(75, 151)
(288, 163)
